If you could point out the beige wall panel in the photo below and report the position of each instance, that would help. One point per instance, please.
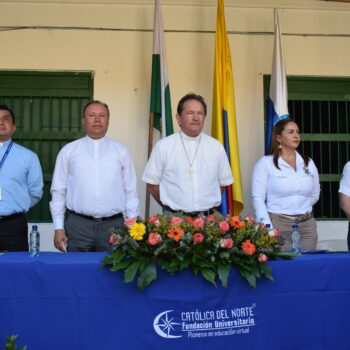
(327, 56)
(184, 18)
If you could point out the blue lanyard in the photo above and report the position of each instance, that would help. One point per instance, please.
(6, 154)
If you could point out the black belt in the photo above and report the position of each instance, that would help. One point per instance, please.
(192, 213)
(8, 217)
(116, 216)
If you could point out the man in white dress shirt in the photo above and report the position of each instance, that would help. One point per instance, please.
(95, 179)
(189, 170)
(344, 195)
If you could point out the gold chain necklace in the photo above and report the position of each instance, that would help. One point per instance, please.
(190, 170)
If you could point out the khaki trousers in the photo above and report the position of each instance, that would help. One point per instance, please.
(307, 228)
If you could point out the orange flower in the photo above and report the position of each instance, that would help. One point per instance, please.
(235, 222)
(248, 247)
(175, 233)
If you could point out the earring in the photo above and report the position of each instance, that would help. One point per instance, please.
(279, 146)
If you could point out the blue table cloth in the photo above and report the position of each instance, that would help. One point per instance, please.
(64, 301)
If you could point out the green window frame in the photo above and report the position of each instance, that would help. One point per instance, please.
(48, 108)
(321, 108)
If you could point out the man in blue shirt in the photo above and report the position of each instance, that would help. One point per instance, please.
(21, 185)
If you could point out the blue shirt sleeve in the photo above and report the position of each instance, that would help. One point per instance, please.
(35, 180)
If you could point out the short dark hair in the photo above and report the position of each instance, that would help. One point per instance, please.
(191, 96)
(6, 108)
(96, 102)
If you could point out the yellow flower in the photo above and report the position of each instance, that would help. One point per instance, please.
(137, 231)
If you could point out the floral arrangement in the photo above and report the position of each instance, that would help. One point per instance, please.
(211, 245)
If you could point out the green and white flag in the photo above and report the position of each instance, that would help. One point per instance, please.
(160, 93)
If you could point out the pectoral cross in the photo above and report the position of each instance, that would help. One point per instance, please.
(190, 172)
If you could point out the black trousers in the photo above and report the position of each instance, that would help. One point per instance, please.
(14, 233)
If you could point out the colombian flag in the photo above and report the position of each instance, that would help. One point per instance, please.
(224, 115)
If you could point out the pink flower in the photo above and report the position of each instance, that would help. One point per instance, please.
(274, 232)
(260, 226)
(153, 220)
(154, 238)
(198, 223)
(250, 220)
(224, 226)
(263, 258)
(113, 239)
(198, 238)
(129, 222)
(175, 220)
(226, 243)
(211, 218)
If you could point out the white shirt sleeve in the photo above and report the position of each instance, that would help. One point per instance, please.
(344, 187)
(58, 191)
(316, 183)
(154, 170)
(130, 187)
(225, 177)
(259, 188)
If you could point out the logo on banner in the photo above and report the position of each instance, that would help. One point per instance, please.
(208, 323)
(163, 325)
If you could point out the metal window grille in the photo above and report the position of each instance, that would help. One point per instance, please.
(325, 138)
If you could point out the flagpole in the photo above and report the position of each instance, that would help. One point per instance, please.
(150, 146)
(160, 105)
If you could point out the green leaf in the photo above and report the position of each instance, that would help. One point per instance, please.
(118, 256)
(224, 255)
(184, 264)
(255, 269)
(223, 273)
(209, 275)
(195, 269)
(266, 270)
(286, 255)
(107, 260)
(11, 343)
(131, 271)
(147, 276)
(249, 277)
(120, 266)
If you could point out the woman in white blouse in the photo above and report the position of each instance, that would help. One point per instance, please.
(285, 186)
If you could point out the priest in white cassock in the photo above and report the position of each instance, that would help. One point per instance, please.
(189, 170)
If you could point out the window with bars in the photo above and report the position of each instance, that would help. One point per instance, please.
(321, 108)
(48, 108)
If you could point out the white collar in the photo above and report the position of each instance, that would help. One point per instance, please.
(95, 141)
(298, 160)
(4, 143)
(189, 138)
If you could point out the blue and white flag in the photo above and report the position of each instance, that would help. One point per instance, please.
(278, 101)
